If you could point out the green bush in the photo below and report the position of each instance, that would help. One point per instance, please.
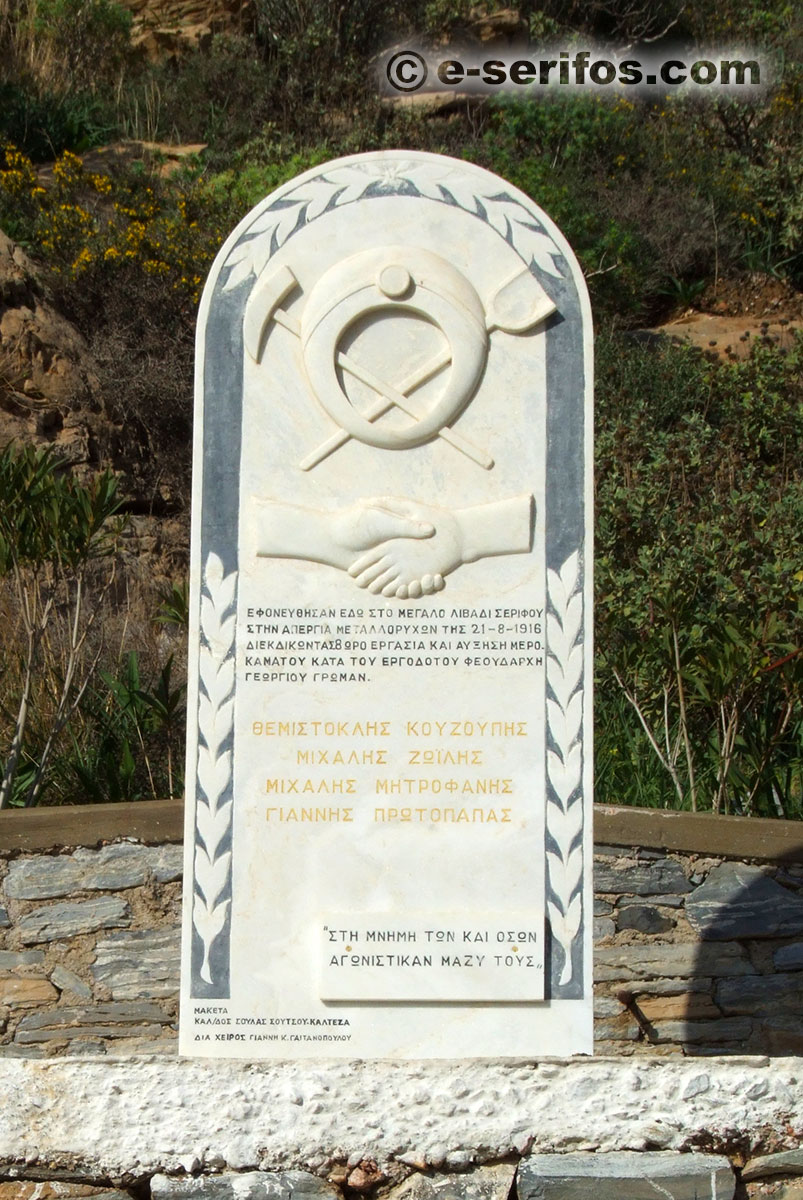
(86, 42)
(46, 124)
(60, 61)
(81, 719)
(57, 544)
(89, 226)
(648, 192)
(699, 579)
(219, 94)
(129, 743)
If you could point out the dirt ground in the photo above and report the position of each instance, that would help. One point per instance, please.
(730, 317)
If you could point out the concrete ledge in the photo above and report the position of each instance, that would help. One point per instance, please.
(140, 1116)
(700, 833)
(154, 821)
(158, 821)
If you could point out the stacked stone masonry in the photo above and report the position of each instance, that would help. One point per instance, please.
(89, 956)
(695, 955)
(622, 1175)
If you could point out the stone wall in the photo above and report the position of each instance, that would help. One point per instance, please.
(696, 954)
(699, 953)
(90, 951)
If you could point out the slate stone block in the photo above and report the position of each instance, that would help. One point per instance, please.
(692, 1006)
(644, 918)
(671, 961)
(725, 1029)
(787, 1162)
(671, 987)
(86, 1048)
(740, 901)
(607, 1006)
(55, 921)
(56, 1189)
(139, 965)
(623, 1028)
(769, 994)
(4, 919)
(11, 959)
(625, 1176)
(112, 868)
(26, 991)
(68, 981)
(155, 1046)
(789, 958)
(782, 1036)
(114, 1020)
(248, 1185)
(665, 875)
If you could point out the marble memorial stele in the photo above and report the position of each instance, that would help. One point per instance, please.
(388, 830)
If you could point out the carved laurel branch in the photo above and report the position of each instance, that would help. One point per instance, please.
(215, 719)
(344, 185)
(565, 762)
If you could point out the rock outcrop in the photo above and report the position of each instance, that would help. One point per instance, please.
(167, 28)
(49, 387)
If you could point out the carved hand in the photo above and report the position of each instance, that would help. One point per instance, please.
(405, 568)
(408, 569)
(369, 523)
(288, 531)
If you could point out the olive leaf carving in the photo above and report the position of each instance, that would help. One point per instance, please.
(565, 759)
(215, 721)
(336, 187)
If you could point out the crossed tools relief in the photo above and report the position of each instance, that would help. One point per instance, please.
(397, 546)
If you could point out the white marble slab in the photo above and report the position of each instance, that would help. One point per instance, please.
(392, 607)
(453, 957)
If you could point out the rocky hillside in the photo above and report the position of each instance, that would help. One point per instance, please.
(52, 395)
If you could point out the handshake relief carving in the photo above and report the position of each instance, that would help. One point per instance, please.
(395, 546)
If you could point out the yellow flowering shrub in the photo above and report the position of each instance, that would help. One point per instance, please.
(84, 220)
